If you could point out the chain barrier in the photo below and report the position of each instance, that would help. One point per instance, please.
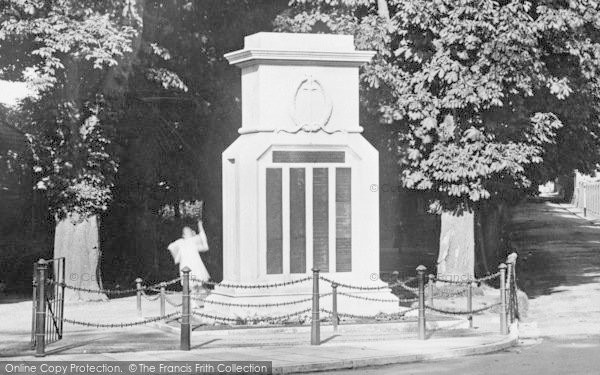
(396, 300)
(166, 283)
(488, 277)
(258, 305)
(113, 291)
(403, 285)
(254, 320)
(121, 325)
(157, 290)
(97, 291)
(377, 316)
(150, 298)
(457, 312)
(174, 304)
(467, 282)
(356, 287)
(251, 286)
(404, 282)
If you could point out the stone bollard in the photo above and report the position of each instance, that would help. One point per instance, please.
(431, 277)
(421, 276)
(40, 313)
(163, 286)
(503, 325)
(185, 310)
(334, 315)
(470, 304)
(315, 330)
(138, 283)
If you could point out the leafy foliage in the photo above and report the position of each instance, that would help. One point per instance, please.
(479, 91)
(75, 55)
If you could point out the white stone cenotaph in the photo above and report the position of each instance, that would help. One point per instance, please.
(296, 182)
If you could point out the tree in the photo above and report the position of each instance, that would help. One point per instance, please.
(74, 53)
(160, 117)
(483, 95)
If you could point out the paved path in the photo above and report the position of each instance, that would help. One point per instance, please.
(559, 268)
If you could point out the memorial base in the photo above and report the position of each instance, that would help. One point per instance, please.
(277, 304)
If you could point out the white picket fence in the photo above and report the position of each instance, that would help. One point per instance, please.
(587, 197)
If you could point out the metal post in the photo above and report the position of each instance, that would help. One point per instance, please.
(334, 315)
(138, 283)
(503, 325)
(315, 330)
(431, 277)
(509, 271)
(470, 304)
(40, 314)
(185, 310)
(514, 283)
(394, 280)
(421, 276)
(162, 298)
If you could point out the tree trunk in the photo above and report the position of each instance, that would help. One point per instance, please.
(456, 259)
(77, 241)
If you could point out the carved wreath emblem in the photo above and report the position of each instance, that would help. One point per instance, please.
(311, 107)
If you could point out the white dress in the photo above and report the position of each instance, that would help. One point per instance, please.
(186, 252)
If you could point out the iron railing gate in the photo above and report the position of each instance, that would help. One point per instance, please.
(54, 292)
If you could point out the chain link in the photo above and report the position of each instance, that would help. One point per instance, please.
(467, 282)
(377, 316)
(166, 283)
(121, 325)
(157, 290)
(488, 277)
(405, 287)
(173, 303)
(97, 291)
(461, 312)
(114, 291)
(254, 320)
(150, 298)
(251, 286)
(258, 305)
(391, 300)
(356, 287)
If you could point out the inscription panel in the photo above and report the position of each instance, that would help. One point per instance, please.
(274, 221)
(321, 219)
(343, 220)
(309, 156)
(297, 220)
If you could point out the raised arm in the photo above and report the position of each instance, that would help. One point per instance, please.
(202, 240)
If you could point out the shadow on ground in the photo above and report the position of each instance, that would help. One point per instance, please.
(556, 248)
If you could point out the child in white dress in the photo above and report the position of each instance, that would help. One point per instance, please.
(186, 252)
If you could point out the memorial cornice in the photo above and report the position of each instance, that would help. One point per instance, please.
(249, 57)
(243, 130)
